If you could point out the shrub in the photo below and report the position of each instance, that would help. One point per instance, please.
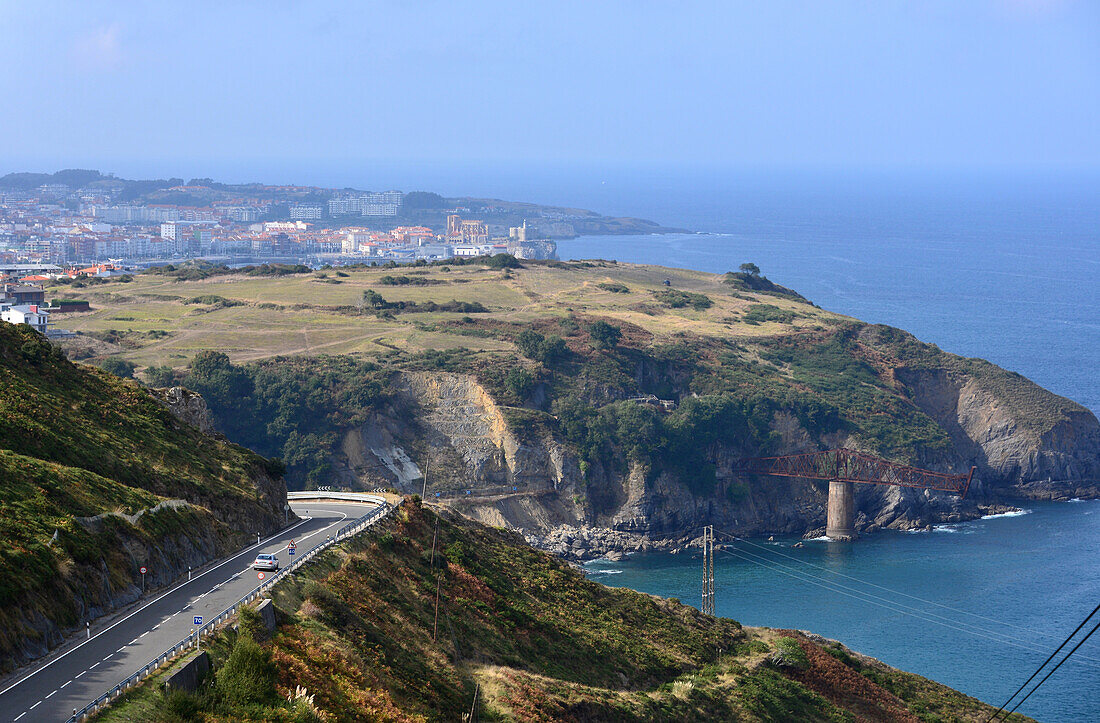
(788, 654)
(676, 299)
(160, 377)
(614, 287)
(760, 313)
(520, 382)
(604, 335)
(118, 367)
(248, 676)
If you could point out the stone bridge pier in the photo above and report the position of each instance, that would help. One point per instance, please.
(840, 515)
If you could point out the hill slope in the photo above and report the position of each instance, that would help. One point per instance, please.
(358, 631)
(98, 478)
(585, 393)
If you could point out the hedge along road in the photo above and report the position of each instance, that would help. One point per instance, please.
(51, 690)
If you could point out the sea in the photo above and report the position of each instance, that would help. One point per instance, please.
(1003, 267)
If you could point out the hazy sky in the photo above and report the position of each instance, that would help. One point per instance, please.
(170, 87)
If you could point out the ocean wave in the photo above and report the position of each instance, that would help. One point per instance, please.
(1014, 513)
(823, 538)
(946, 528)
(604, 572)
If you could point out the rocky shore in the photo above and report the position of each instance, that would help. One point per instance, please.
(584, 543)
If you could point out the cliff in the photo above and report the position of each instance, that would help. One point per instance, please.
(97, 479)
(519, 635)
(565, 398)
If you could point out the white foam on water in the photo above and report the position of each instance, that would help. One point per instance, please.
(604, 572)
(1014, 513)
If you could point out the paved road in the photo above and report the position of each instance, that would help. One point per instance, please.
(76, 675)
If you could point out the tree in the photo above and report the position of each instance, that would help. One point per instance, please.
(750, 268)
(604, 335)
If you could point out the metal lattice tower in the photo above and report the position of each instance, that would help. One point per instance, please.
(708, 570)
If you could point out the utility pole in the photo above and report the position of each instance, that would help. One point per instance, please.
(708, 570)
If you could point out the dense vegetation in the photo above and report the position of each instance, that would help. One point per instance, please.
(293, 409)
(79, 450)
(360, 639)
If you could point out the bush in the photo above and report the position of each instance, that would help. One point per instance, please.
(788, 654)
(613, 287)
(118, 367)
(545, 349)
(604, 335)
(676, 299)
(520, 382)
(248, 676)
(503, 261)
(760, 313)
(160, 377)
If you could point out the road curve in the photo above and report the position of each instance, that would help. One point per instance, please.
(81, 670)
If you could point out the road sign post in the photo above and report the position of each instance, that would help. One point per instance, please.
(143, 571)
(198, 620)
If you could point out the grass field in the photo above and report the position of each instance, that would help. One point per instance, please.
(301, 314)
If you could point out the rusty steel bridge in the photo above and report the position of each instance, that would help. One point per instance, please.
(842, 468)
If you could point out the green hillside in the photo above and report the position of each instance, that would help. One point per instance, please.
(358, 636)
(96, 479)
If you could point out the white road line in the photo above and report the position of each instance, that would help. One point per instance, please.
(107, 658)
(89, 668)
(20, 715)
(70, 680)
(80, 674)
(35, 705)
(119, 650)
(145, 633)
(136, 639)
(217, 566)
(49, 696)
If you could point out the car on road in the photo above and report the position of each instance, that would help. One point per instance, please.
(264, 561)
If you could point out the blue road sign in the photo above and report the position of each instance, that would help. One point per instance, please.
(290, 551)
(198, 620)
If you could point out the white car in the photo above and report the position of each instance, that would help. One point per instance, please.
(264, 561)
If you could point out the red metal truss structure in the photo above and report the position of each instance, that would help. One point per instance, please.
(847, 465)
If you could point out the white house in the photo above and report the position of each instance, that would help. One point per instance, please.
(28, 314)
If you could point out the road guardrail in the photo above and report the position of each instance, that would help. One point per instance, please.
(193, 639)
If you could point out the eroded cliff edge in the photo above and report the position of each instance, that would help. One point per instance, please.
(1024, 441)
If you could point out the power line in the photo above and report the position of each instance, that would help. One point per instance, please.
(1071, 652)
(863, 597)
(887, 589)
(1037, 670)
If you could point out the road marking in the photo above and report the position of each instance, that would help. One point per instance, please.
(81, 673)
(20, 715)
(119, 650)
(106, 659)
(146, 633)
(50, 695)
(136, 639)
(90, 667)
(214, 567)
(35, 705)
(70, 680)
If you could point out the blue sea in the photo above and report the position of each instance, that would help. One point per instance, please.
(1007, 269)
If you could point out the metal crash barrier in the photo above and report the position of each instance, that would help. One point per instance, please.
(192, 640)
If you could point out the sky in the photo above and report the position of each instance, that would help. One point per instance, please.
(239, 89)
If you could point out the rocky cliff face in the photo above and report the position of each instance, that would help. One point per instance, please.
(1055, 457)
(449, 424)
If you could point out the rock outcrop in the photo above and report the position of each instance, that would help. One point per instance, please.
(450, 425)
